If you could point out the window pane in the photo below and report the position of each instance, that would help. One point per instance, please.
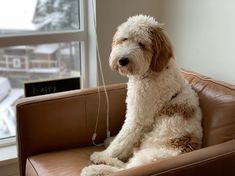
(24, 16)
(28, 63)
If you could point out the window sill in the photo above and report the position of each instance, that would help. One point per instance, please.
(8, 161)
(8, 155)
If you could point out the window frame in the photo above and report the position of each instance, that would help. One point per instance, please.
(35, 38)
(7, 141)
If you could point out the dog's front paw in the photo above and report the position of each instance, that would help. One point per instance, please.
(98, 170)
(98, 157)
(103, 158)
(89, 171)
(86, 171)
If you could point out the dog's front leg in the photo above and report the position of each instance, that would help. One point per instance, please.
(122, 146)
(139, 117)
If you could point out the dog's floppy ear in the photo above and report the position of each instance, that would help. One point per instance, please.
(162, 49)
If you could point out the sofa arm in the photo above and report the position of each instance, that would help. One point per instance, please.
(66, 120)
(214, 160)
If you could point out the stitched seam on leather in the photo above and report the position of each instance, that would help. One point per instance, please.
(33, 167)
(208, 79)
(194, 164)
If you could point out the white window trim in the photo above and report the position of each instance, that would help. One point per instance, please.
(7, 142)
(8, 161)
(8, 152)
(42, 38)
(56, 37)
(8, 146)
(8, 157)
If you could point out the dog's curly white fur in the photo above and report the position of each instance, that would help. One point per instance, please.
(163, 116)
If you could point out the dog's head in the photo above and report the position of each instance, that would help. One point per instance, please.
(138, 45)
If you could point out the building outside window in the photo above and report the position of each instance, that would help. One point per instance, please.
(39, 39)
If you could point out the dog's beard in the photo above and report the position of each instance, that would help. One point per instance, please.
(125, 71)
(122, 70)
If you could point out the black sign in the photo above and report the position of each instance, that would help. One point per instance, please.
(51, 86)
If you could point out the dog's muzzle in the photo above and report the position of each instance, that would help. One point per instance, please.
(124, 61)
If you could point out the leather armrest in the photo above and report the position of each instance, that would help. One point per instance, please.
(66, 120)
(214, 160)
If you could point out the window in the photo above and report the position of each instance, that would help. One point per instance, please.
(39, 39)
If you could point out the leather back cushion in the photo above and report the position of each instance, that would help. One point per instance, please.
(217, 101)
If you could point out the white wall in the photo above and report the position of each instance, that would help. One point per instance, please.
(110, 14)
(203, 34)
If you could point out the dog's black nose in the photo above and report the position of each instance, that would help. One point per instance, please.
(123, 61)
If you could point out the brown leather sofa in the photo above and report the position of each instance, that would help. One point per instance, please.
(55, 131)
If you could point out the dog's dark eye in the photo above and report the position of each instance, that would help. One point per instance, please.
(124, 39)
(141, 45)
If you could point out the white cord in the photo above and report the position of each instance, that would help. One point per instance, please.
(105, 90)
(98, 114)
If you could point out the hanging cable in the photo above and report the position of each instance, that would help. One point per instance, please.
(104, 85)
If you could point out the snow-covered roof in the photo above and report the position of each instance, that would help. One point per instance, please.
(46, 49)
(11, 98)
(5, 87)
(33, 70)
(17, 14)
(44, 70)
(22, 47)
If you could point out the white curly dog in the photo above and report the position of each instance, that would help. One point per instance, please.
(163, 116)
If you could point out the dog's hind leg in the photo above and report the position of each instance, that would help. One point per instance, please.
(148, 155)
(99, 170)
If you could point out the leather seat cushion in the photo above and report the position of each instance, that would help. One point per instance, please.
(60, 163)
